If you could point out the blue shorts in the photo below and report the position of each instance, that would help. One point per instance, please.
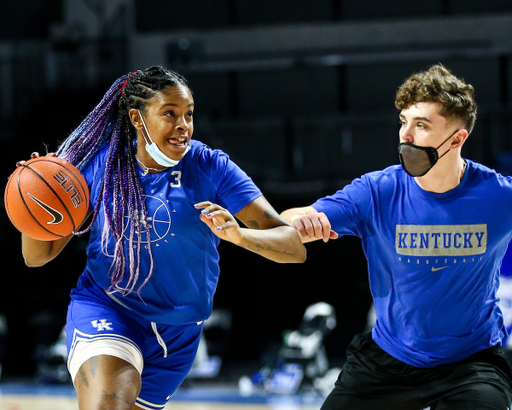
(165, 352)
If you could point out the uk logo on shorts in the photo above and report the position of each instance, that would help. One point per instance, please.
(101, 325)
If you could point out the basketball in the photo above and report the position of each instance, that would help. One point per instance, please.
(46, 198)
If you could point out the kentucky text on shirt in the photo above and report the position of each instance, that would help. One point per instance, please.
(441, 240)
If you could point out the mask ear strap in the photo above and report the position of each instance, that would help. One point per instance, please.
(148, 138)
(453, 133)
(446, 152)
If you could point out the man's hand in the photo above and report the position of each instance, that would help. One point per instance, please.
(313, 226)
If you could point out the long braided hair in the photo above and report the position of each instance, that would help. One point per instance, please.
(121, 193)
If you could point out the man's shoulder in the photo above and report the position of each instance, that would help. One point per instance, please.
(485, 172)
(479, 166)
(392, 173)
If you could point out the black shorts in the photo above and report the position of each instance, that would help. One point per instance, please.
(371, 379)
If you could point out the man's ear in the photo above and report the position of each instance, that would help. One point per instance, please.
(459, 138)
(135, 118)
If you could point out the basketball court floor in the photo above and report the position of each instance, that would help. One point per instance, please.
(20, 396)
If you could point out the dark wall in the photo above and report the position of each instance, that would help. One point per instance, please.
(29, 19)
(164, 15)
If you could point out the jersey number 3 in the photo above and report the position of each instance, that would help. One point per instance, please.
(177, 179)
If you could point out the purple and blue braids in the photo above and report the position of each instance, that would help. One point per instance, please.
(121, 193)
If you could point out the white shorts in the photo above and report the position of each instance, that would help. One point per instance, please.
(83, 350)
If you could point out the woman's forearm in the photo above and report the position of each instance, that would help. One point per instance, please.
(37, 253)
(280, 244)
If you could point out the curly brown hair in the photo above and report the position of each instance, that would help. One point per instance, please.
(439, 85)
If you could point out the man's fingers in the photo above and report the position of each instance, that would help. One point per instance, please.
(309, 230)
(315, 226)
(326, 226)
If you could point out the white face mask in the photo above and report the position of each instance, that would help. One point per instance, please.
(154, 152)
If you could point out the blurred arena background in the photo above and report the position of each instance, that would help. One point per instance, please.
(298, 92)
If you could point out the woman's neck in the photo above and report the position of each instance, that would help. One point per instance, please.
(149, 169)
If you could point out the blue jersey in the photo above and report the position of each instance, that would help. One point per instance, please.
(433, 259)
(184, 250)
(505, 294)
(506, 266)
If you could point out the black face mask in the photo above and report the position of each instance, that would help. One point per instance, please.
(416, 160)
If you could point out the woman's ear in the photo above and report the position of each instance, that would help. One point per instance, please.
(135, 118)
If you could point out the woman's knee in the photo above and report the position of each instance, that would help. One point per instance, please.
(107, 382)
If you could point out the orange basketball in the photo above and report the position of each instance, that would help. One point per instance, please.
(46, 198)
